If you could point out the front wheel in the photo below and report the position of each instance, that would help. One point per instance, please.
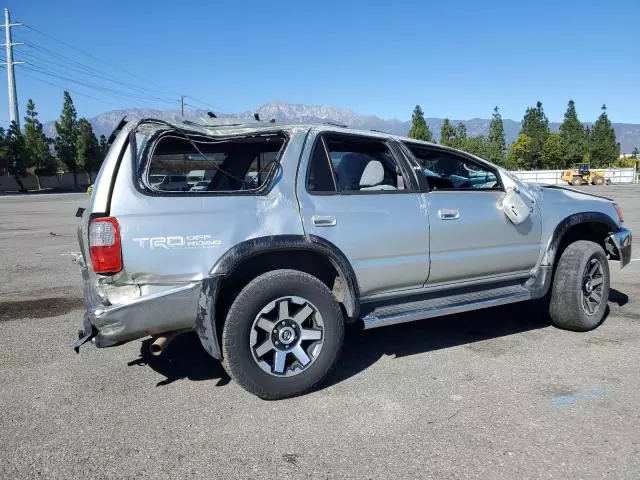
(576, 181)
(580, 287)
(282, 335)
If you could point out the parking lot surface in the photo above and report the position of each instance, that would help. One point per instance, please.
(491, 394)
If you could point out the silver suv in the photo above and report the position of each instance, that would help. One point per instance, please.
(304, 228)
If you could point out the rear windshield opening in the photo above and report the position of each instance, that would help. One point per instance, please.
(201, 164)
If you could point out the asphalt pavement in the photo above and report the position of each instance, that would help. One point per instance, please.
(491, 394)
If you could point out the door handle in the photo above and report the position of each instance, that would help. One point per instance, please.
(448, 214)
(324, 221)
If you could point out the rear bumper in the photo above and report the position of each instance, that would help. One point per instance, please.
(170, 309)
(621, 240)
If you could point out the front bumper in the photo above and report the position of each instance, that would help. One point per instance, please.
(621, 241)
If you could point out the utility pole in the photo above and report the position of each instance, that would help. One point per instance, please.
(11, 78)
(182, 104)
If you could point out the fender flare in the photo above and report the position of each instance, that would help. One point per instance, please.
(567, 223)
(232, 258)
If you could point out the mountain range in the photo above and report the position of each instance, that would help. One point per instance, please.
(628, 134)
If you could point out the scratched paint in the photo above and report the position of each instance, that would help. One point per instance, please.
(583, 395)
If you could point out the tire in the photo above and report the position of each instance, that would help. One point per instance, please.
(571, 287)
(598, 180)
(245, 336)
(576, 181)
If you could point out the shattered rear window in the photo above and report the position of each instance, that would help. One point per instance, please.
(197, 164)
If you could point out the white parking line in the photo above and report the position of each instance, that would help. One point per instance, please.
(635, 259)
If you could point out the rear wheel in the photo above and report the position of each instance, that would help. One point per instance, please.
(283, 334)
(576, 181)
(580, 288)
(598, 180)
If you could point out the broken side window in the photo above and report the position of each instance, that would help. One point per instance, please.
(180, 163)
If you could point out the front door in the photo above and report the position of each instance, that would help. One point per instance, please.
(471, 237)
(356, 193)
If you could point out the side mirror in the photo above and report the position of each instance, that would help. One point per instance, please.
(515, 208)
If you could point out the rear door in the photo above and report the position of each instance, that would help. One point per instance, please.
(357, 192)
(471, 237)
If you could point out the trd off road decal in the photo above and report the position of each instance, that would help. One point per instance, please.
(178, 242)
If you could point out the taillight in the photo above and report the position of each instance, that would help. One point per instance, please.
(104, 245)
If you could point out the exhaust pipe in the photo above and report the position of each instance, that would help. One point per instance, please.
(160, 343)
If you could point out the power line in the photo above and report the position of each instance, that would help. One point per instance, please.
(144, 99)
(139, 91)
(53, 64)
(90, 55)
(75, 92)
(85, 69)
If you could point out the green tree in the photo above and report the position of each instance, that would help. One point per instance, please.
(496, 142)
(603, 148)
(419, 128)
(554, 152)
(17, 158)
(37, 145)
(459, 137)
(628, 161)
(535, 125)
(4, 161)
(496, 131)
(479, 146)
(520, 152)
(67, 136)
(447, 133)
(87, 148)
(573, 136)
(104, 147)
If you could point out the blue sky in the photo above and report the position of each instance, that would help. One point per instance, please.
(456, 59)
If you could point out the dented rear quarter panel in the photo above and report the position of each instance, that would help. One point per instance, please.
(176, 239)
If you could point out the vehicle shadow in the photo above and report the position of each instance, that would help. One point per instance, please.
(363, 348)
(183, 358)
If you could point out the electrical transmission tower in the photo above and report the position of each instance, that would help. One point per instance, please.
(11, 78)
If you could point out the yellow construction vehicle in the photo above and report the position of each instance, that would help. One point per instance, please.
(581, 174)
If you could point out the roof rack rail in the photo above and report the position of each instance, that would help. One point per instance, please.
(336, 124)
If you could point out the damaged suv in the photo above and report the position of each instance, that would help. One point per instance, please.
(302, 229)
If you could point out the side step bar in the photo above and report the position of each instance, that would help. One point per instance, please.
(440, 306)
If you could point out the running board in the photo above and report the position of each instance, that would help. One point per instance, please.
(440, 306)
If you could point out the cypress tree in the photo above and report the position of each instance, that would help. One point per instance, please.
(535, 125)
(37, 144)
(573, 136)
(603, 148)
(496, 131)
(67, 131)
(447, 133)
(16, 152)
(104, 148)
(496, 141)
(419, 128)
(87, 148)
